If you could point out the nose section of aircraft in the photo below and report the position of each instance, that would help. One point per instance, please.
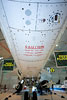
(31, 28)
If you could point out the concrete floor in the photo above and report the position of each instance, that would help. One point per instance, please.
(56, 96)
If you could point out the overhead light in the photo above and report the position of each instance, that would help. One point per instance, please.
(1, 58)
(56, 45)
(22, 81)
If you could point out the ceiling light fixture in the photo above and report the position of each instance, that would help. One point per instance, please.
(56, 45)
(1, 58)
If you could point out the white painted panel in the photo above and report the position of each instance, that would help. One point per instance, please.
(24, 16)
(33, 45)
(52, 18)
(41, 1)
(31, 68)
(20, 15)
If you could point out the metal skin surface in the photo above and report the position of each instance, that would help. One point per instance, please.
(30, 28)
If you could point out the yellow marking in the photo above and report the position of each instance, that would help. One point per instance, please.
(62, 57)
(52, 70)
(8, 64)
